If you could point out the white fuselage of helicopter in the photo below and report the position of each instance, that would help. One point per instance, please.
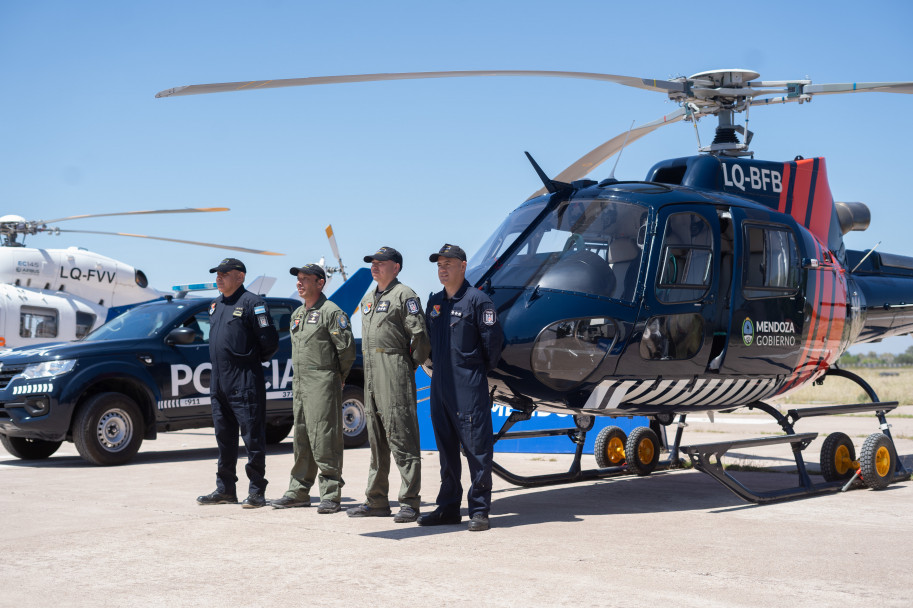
(52, 295)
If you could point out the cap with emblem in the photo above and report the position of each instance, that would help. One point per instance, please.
(229, 264)
(313, 269)
(449, 251)
(385, 253)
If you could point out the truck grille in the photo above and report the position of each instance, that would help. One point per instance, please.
(7, 372)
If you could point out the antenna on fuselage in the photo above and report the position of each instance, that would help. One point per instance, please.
(618, 158)
(551, 185)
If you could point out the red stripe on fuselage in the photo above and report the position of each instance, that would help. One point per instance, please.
(822, 205)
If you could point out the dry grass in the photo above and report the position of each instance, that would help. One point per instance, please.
(840, 390)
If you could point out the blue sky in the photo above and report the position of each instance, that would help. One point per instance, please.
(408, 164)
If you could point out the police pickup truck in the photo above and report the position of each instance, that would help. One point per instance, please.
(144, 372)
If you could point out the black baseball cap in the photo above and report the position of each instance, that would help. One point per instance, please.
(230, 264)
(385, 253)
(449, 251)
(313, 269)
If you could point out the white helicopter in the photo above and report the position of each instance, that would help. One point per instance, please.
(55, 295)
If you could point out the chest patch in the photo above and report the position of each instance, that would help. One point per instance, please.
(212, 308)
(239, 310)
(412, 306)
(435, 311)
(383, 306)
(489, 317)
(296, 324)
(313, 317)
(367, 308)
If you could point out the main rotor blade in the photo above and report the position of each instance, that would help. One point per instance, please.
(859, 87)
(160, 238)
(187, 210)
(600, 154)
(651, 84)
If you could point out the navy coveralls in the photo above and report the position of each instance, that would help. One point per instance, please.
(241, 337)
(466, 340)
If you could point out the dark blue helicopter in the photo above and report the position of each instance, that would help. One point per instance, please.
(715, 283)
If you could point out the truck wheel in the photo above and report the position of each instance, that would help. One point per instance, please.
(29, 449)
(275, 433)
(354, 419)
(108, 429)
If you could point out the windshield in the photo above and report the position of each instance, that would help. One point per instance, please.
(140, 322)
(592, 246)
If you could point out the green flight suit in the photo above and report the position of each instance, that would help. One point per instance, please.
(394, 342)
(323, 351)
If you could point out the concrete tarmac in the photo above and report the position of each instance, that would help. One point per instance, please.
(79, 535)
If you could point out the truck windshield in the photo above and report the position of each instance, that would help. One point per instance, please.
(140, 322)
(592, 246)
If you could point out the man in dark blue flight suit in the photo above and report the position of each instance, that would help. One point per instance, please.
(241, 337)
(466, 340)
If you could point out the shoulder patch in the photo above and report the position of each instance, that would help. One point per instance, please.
(343, 321)
(262, 320)
(489, 317)
(260, 310)
(412, 306)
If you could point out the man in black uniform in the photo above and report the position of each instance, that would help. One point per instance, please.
(466, 341)
(241, 337)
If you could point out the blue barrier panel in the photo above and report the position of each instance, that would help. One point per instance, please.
(540, 420)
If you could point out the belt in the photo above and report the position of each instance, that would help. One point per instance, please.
(392, 351)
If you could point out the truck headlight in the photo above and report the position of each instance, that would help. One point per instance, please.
(47, 369)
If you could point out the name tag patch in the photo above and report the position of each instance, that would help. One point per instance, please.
(313, 317)
(383, 306)
(239, 311)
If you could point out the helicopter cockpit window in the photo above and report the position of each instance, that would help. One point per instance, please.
(772, 264)
(589, 246)
(686, 270)
(37, 322)
(84, 323)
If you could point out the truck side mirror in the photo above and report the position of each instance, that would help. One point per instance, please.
(180, 335)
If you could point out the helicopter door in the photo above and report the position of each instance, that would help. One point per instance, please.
(680, 311)
(767, 310)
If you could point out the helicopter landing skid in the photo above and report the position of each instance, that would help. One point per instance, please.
(702, 456)
(574, 474)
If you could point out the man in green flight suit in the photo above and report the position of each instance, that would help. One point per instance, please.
(323, 351)
(394, 343)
